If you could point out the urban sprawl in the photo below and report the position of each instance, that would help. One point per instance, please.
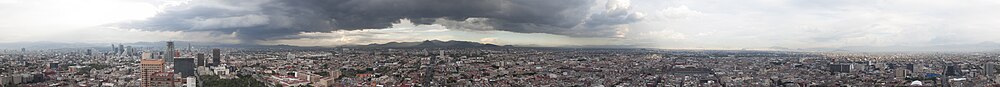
(169, 65)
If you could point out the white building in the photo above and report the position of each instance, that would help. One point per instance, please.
(191, 82)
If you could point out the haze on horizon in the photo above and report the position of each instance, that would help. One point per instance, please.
(640, 23)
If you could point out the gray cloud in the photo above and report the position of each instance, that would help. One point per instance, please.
(253, 20)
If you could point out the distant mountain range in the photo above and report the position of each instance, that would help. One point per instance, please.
(47, 45)
(977, 47)
(430, 44)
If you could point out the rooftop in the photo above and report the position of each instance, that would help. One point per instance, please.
(151, 61)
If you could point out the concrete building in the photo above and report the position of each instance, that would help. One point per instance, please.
(54, 66)
(161, 79)
(989, 69)
(149, 67)
(201, 59)
(841, 68)
(900, 73)
(216, 57)
(184, 67)
(952, 70)
(169, 56)
(191, 82)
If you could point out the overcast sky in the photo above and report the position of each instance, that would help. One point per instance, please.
(643, 23)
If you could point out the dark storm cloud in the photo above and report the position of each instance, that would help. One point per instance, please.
(280, 19)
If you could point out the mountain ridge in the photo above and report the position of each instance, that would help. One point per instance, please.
(430, 44)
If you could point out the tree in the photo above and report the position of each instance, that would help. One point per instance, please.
(242, 81)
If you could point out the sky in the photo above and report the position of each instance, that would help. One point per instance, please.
(637, 23)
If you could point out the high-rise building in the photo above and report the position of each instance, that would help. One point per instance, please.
(909, 67)
(989, 69)
(184, 67)
(169, 56)
(216, 57)
(148, 68)
(189, 47)
(129, 51)
(88, 52)
(201, 59)
(952, 70)
(114, 49)
(121, 49)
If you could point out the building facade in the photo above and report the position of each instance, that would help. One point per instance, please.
(148, 68)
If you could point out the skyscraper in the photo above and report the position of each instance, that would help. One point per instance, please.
(169, 56)
(184, 67)
(189, 47)
(989, 69)
(216, 57)
(148, 67)
(114, 49)
(201, 59)
(121, 49)
(128, 51)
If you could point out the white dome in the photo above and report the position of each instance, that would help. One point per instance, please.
(916, 83)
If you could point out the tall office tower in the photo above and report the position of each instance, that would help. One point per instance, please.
(121, 49)
(216, 57)
(148, 68)
(989, 69)
(88, 52)
(184, 67)
(189, 47)
(169, 56)
(114, 49)
(201, 59)
(129, 51)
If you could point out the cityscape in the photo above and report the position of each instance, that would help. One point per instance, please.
(499, 43)
(438, 64)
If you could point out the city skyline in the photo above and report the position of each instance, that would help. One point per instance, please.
(499, 43)
(670, 24)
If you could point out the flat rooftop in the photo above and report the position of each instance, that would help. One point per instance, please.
(151, 61)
